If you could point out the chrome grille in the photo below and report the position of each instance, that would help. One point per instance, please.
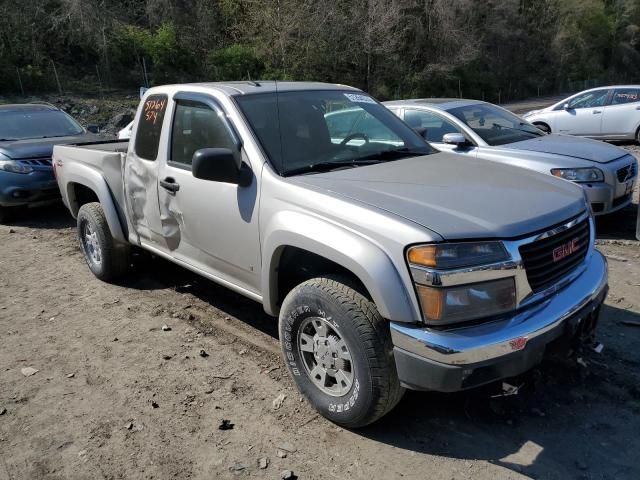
(548, 260)
(626, 173)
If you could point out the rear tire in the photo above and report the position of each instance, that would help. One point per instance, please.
(338, 349)
(544, 127)
(106, 258)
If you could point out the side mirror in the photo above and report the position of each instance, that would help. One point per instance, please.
(220, 165)
(566, 107)
(456, 139)
(422, 131)
(93, 128)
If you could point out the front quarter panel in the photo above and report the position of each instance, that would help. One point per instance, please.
(365, 241)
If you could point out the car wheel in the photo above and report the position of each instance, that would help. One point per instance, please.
(107, 259)
(338, 349)
(543, 126)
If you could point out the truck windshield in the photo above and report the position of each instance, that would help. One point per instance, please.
(495, 125)
(319, 130)
(23, 123)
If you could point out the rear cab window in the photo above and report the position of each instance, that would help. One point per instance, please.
(150, 127)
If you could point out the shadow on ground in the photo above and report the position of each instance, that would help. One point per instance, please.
(50, 217)
(567, 421)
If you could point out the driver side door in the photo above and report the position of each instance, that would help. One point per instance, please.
(210, 225)
(584, 115)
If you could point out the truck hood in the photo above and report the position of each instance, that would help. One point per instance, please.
(457, 197)
(568, 146)
(40, 147)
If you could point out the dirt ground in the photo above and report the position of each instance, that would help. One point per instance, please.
(117, 396)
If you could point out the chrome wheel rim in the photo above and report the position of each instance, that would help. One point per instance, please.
(325, 356)
(91, 244)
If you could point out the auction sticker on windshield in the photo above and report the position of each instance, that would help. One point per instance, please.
(355, 98)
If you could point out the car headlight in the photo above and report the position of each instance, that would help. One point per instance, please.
(579, 174)
(445, 256)
(442, 305)
(12, 166)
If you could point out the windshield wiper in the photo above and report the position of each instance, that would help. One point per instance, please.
(8, 139)
(394, 154)
(369, 159)
(537, 134)
(327, 166)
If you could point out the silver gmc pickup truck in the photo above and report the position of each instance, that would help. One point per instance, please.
(390, 265)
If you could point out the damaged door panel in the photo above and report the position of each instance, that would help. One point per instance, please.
(211, 225)
(141, 173)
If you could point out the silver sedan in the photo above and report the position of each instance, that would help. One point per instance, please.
(488, 132)
(607, 113)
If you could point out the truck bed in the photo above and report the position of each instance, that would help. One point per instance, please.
(105, 158)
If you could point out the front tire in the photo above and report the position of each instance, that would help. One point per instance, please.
(338, 349)
(106, 258)
(544, 127)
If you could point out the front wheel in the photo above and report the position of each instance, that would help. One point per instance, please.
(107, 259)
(543, 126)
(338, 349)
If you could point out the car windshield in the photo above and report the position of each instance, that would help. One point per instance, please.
(20, 124)
(495, 125)
(319, 130)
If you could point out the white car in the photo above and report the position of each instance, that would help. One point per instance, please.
(606, 113)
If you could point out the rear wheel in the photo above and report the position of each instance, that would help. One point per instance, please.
(107, 259)
(543, 126)
(338, 349)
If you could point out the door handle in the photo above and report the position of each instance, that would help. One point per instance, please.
(170, 185)
(597, 111)
(638, 107)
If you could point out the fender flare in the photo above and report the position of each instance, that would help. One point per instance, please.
(359, 255)
(90, 178)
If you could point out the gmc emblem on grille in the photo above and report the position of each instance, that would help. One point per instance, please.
(565, 250)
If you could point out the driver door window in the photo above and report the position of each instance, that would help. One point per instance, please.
(196, 126)
(597, 98)
(436, 126)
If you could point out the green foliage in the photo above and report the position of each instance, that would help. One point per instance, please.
(236, 62)
(497, 50)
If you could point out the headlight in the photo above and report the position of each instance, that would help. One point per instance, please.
(579, 174)
(457, 255)
(469, 300)
(12, 166)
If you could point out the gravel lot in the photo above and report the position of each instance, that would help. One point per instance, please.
(116, 396)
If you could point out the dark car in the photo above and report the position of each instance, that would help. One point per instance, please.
(28, 133)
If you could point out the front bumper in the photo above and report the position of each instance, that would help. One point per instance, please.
(606, 199)
(36, 187)
(456, 359)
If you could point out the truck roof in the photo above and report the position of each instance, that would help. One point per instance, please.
(266, 86)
